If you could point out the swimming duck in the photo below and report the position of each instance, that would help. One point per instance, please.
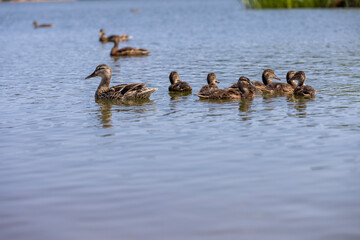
(211, 86)
(177, 85)
(104, 39)
(122, 91)
(282, 88)
(36, 25)
(126, 51)
(244, 85)
(266, 78)
(302, 89)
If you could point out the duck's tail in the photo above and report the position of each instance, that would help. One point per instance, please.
(146, 93)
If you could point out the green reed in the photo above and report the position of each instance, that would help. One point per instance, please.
(300, 3)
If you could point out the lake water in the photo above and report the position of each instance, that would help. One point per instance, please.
(176, 167)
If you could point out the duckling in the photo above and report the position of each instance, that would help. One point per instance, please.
(282, 88)
(177, 85)
(302, 89)
(244, 85)
(254, 89)
(266, 78)
(104, 39)
(134, 10)
(126, 51)
(122, 91)
(36, 25)
(211, 86)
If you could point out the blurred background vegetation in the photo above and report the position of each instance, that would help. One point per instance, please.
(300, 3)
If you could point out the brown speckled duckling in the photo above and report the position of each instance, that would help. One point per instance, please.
(122, 91)
(266, 78)
(177, 85)
(211, 86)
(302, 89)
(244, 85)
(126, 51)
(282, 88)
(104, 39)
(36, 25)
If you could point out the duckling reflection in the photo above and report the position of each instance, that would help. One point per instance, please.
(245, 105)
(178, 95)
(300, 104)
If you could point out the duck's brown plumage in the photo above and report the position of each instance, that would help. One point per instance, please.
(36, 25)
(302, 89)
(122, 91)
(121, 37)
(126, 51)
(245, 90)
(177, 85)
(211, 86)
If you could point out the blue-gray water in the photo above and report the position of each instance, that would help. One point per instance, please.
(178, 168)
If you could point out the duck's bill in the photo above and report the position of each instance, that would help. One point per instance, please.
(276, 77)
(217, 81)
(91, 75)
(179, 80)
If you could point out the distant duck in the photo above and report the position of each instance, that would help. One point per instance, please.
(211, 86)
(244, 85)
(104, 39)
(126, 51)
(133, 10)
(177, 85)
(122, 91)
(302, 89)
(36, 25)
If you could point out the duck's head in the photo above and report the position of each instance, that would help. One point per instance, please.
(300, 77)
(289, 75)
(174, 77)
(244, 83)
(102, 32)
(211, 79)
(267, 75)
(102, 71)
(35, 23)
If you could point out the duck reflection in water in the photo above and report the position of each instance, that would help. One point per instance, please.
(106, 108)
(300, 104)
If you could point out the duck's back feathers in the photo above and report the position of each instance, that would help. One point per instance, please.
(306, 91)
(180, 87)
(208, 88)
(130, 51)
(228, 93)
(126, 91)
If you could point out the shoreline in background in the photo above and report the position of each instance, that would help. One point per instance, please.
(259, 4)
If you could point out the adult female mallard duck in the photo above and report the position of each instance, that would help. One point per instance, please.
(177, 85)
(36, 25)
(211, 86)
(244, 85)
(302, 89)
(126, 51)
(104, 39)
(122, 91)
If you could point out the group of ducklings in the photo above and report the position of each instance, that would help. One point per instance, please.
(244, 88)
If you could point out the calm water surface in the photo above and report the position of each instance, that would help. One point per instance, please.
(175, 167)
